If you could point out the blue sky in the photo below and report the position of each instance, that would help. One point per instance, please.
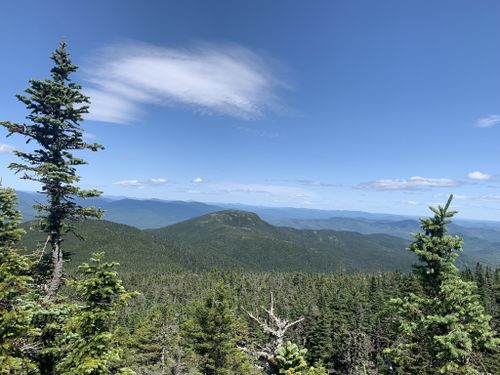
(383, 106)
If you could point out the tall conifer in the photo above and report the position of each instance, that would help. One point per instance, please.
(56, 107)
(443, 329)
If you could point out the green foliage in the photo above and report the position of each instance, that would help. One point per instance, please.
(88, 337)
(134, 249)
(443, 329)
(229, 239)
(56, 106)
(319, 343)
(212, 333)
(290, 360)
(17, 308)
(197, 247)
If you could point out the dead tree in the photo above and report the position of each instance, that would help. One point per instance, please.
(276, 328)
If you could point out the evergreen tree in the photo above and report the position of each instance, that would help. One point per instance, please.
(442, 329)
(212, 333)
(290, 360)
(154, 345)
(16, 304)
(88, 342)
(56, 107)
(319, 343)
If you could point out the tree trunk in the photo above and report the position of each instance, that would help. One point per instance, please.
(57, 266)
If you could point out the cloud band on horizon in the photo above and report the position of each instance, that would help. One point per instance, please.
(410, 184)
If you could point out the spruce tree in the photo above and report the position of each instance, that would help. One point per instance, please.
(88, 341)
(444, 328)
(319, 343)
(290, 360)
(56, 107)
(17, 333)
(212, 333)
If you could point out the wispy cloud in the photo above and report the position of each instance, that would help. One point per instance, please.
(316, 183)
(279, 190)
(143, 183)
(477, 175)
(488, 122)
(6, 149)
(488, 198)
(229, 80)
(413, 183)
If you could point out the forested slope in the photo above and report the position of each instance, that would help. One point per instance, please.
(232, 240)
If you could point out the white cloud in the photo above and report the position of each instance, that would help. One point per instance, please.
(229, 80)
(488, 122)
(413, 183)
(476, 175)
(411, 202)
(6, 149)
(198, 180)
(142, 183)
(316, 183)
(279, 190)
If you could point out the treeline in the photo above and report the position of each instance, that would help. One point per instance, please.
(433, 320)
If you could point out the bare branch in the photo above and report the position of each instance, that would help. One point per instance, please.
(276, 327)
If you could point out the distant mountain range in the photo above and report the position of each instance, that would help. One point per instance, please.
(156, 213)
(147, 213)
(481, 239)
(234, 240)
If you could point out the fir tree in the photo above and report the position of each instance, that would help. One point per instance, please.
(88, 342)
(56, 107)
(154, 346)
(319, 327)
(442, 329)
(212, 333)
(16, 305)
(290, 360)
(319, 345)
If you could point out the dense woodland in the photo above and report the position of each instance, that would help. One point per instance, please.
(96, 318)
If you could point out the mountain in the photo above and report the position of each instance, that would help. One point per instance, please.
(154, 213)
(481, 239)
(230, 240)
(480, 243)
(275, 214)
(235, 239)
(239, 239)
(140, 213)
(133, 248)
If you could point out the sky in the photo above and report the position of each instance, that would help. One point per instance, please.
(380, 106)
